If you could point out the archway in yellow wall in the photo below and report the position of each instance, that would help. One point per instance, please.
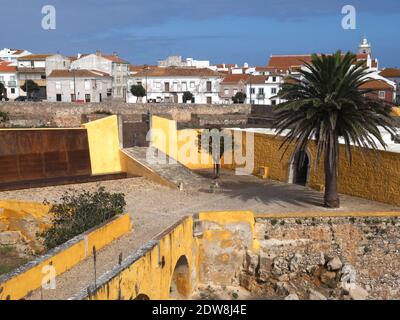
(142, 296)
(299, 168)
(180, 287)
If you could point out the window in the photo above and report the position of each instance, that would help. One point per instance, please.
(158, 85)
(261, 91)
(87, 97)
(58, 85)
(175, 86)
(73, 98)
(87, 84)
(12, 78)
(209, 100)
(273, 90)
(184, 86)
(273, 79)
(58, 97)
(209, 86)
(235, 91)
(253, 90)
(43, 77)
(192, 84)
(72, 85)
(13, 90)
(1, 78)
(226, 92)
(382, 95)
(273, 102)
(167, 86)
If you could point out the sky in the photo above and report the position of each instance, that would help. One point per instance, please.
(222, 31)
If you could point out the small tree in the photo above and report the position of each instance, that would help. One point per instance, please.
(138, 91)
(187, 96)
(215, 142)
(2, 91)
(239, 97)
(30, 87)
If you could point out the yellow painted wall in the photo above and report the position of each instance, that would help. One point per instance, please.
(178, 143)
(104, 145)
(147, 275)
(373, 176)
(396, 111)
(21, 284)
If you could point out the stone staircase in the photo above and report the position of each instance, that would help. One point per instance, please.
(167, 168)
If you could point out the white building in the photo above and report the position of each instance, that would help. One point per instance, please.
(177, 61)
(263, 89)
(111, 64)
(78, 86)
(8, 77)
(169, 84)
(12, 55)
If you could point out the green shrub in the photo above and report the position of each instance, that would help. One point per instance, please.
(4, 116)
(77, 213)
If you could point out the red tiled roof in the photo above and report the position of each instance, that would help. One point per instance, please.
(235, 78)
(257, 79)
(376, 85)
(81, 73)
(285, 62)
(390, 73)
(35, 57)
(5, 67)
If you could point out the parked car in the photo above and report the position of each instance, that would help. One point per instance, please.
(24, 98)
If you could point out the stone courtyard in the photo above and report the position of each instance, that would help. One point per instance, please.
(153, 208)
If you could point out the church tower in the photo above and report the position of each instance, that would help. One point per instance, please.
(365, 47)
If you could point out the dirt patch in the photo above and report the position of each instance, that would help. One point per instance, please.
(10, 259)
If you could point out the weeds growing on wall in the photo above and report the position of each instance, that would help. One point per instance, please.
(77, 213)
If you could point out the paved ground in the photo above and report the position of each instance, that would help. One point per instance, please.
(153, 208)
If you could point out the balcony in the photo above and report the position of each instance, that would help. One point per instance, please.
(260, 96)
(12, 84)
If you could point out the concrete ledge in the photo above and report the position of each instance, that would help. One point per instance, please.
(19, 283)
(325, 214)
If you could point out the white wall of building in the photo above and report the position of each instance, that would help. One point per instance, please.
(10, 81)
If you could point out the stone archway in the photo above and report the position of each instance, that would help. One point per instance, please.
(299, 168)
(180, 288)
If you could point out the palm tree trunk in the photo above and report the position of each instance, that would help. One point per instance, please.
(331, 198)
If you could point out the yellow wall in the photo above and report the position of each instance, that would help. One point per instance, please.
(178, 143)
(396, 111)
(146, 274)
(22, 283)
(373, 176)
(104, 145)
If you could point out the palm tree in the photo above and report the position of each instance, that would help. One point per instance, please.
(326, 104)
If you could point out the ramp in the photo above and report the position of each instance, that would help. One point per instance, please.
(145, 161)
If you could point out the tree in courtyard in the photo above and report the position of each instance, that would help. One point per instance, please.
(328, 104)
(239, 97)
(215, 142)
(187, 96)
(138, 91)
(2, 91)
(30, 87)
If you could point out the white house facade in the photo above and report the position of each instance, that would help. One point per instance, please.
(12, 55)
(8, 77)
(263, 89)
(78, 86)
(169, 84)
(111, 64)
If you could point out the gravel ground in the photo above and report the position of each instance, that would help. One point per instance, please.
(153, 208)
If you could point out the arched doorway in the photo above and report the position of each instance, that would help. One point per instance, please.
(299, 168)
(180, 287)
(142, 297)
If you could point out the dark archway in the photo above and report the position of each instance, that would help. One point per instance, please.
(301, 168)
(180, 287)
(142, 297)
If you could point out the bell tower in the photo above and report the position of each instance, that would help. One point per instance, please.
(365, 47)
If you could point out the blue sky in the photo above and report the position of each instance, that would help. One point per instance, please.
(229, 31)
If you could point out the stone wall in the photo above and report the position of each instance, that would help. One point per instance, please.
(321, 258)
(70, 114)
